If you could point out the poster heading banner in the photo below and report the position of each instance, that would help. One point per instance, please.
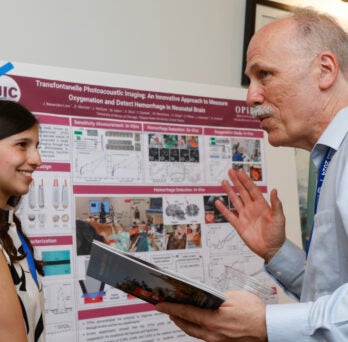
(78, 99)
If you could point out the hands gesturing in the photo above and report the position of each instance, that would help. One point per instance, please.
(260, 225)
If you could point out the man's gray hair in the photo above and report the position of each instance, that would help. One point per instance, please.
(319, 32)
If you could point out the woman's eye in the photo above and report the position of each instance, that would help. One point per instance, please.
(23, 144)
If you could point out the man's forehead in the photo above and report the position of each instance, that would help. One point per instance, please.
(277, 30)
(269, 41)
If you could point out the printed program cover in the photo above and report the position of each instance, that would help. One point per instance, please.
(147, 281)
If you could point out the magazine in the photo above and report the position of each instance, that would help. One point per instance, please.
(147, 281)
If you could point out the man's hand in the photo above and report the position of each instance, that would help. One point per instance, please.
(242, 317)
(260, 225)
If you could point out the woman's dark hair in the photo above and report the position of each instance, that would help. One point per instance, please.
(14, 118)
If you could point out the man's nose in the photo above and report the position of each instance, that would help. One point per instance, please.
(255, 95)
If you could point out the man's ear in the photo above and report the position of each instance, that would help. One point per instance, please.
(329, 69)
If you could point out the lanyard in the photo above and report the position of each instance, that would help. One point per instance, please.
(320, 180)
(30, 258)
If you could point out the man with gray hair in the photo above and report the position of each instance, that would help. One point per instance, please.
(298, 71)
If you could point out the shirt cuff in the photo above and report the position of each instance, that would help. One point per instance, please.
(288, 322)
(287, 262)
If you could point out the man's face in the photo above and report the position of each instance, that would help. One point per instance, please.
(282, 81)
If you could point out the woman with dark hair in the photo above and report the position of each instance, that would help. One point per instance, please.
(21, 309)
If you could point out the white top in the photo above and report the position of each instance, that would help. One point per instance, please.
(29, 294)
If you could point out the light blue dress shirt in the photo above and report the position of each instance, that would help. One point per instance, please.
(321, 281)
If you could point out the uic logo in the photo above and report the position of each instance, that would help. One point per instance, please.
(9, 89)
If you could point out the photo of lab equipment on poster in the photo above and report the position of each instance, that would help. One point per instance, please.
(130, 224)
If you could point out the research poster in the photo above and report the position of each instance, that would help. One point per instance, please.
(135, 163)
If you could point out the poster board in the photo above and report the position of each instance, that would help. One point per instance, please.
(137, 163)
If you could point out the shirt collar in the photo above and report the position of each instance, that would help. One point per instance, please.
(332, 137)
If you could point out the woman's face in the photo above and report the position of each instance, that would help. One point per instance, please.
(19, 159)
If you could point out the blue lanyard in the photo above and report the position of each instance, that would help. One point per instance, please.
(320, 180)
(30, 259)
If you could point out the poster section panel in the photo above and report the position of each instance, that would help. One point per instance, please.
(139, 170)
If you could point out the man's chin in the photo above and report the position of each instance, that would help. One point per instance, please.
(274, 141)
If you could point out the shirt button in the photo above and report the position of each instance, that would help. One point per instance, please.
(279, 274)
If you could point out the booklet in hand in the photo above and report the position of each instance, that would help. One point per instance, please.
(147, 281)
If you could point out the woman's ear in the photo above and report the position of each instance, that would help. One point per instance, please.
(329, 69)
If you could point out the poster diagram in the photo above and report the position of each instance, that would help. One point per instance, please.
(105, 155)
(173, 158)
(138, 169)
(238, 149)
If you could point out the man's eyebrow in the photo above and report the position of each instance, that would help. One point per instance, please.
(252, 67)
(256, 67)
